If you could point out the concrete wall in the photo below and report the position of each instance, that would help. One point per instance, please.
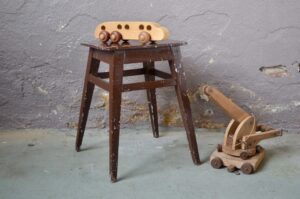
(232, 45)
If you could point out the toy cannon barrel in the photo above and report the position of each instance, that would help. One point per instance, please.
(225, 103)
(254, 139)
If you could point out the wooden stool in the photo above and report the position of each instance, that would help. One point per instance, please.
(118, 55)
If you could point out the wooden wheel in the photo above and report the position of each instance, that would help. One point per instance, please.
(231, 168)
(104, 36)
(247, 168)
(115, 36)
(244, 155)
(258, 149)
(219, 147)
(216, 163)
(144, 37)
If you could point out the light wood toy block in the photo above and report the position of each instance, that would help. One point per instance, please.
(131, 30)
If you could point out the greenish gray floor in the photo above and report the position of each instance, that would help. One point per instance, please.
(42, 163)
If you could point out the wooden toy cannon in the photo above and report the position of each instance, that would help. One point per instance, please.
(239, 149)
(131, 30)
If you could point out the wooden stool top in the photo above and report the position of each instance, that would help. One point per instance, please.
(98, 45)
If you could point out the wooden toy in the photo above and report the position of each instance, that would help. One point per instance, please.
(239, 149)
(131, 30)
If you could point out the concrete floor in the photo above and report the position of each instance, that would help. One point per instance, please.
(42, 163)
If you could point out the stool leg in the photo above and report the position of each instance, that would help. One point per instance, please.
(87, 93)
(115, 95)
(184, 103)
(151, 96)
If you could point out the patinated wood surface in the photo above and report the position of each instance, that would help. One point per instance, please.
(118, 55)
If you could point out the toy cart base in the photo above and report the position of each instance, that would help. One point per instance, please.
(220, 159)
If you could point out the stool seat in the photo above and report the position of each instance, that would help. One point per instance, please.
(116, 55)
(132, 45)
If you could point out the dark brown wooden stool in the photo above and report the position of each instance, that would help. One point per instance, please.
(116, 56)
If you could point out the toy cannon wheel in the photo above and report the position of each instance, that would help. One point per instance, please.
(104, 36)
(216, 163)
(219, 148)
(231, 168)
(258, 149)
(247, 168)
(144, 37)
(244, 155)
(115, 36)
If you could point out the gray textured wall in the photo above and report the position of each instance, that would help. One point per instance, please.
(42, 62)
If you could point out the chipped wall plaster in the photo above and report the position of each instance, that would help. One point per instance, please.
(42, 62)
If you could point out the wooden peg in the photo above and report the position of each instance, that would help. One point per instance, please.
(115, 36)
(144, 37)
(104, 36)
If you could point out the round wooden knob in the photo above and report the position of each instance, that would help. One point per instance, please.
(244, 155)
(144, 37)
(216, 163)
(247, 168)
(115, 36)
(219, 147)
(104, 36)
(231, 168)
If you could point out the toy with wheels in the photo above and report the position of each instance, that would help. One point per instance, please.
(129, 30)
(240, 149)
(249, 166)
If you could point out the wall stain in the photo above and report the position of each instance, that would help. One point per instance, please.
(275, 71)
(209, 124)
(72, 125)
(197, 94)
(171, 116)
(133, 112)
(140, 112)
(104, 100)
